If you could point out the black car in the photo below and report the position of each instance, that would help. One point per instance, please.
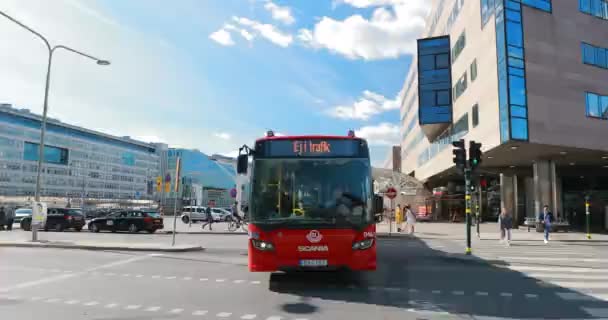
(128, 220)
(58, 219)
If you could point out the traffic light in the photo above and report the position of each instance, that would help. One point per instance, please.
(474, 154)
(159, 184)
(459, 154)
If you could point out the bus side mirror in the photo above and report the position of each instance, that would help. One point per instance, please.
(241, 164)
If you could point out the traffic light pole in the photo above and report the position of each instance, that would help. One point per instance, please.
(467, 198)
(587, 217)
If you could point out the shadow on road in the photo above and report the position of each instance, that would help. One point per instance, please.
(414, 276)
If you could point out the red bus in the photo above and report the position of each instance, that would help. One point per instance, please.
(311, 203)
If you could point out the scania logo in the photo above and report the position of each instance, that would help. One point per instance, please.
(313, 248)
(314, 236)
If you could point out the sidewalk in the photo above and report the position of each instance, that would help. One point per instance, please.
(488, 231)
(91, 245)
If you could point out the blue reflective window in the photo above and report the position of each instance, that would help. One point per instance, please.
(516, 71)
(513, 5)
(592, 108)
(597, 8)
(588, 53)
(519, 129)
(51, 154)
(514, 34)
(518, 111)
(517, 90)
(426, 63)
(443, 97)
(516, 52)
(544, 5)
(128, 159)
(442, 61)
(604, 106)
(514, 15)
(600, 57)
(593, 55)
(584, 5)
(517, 63)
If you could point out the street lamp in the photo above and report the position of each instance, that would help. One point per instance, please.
(51, 50)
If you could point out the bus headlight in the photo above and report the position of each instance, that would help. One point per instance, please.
(364, 244)
(262, 245)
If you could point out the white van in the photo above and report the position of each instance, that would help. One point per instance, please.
(194, 213)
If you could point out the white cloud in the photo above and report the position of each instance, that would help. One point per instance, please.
(231, 154)
(247, 35)
(373, 3)
(222, 135)
(368, 105)
(222, 37)
(267, 31)
(279, 13)
(387, 34)
(382, 134)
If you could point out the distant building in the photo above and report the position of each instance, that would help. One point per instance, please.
(393, 159)
(79, 163)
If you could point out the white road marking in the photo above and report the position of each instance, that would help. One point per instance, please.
(596, 312)
(255, 282)
(223, 314)
(176, 311)
(238, 281)
(220, 280)
(481, 293)
(249, 316)
(126, 274)
(556, 269)
(109, 274)
(35, 298)
(139, 276)
(274, 318)
(51, 300)
(506, 294)
(581, 284)
(436, 291)
(203, 279)
(531, 296)
(199, 313)
(55, 270)
(392, 289)
(412, 290)
(155, 277)
(152, 309)
(92, 303)
(111, 305)
(170, 277)
(574, 296)
(72, 301)
(187, 278)
(567, 276)
(569, 259)
(67, 271)
(458, 293)
(133, 307)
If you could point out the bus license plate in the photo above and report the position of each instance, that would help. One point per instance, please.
(313, 263)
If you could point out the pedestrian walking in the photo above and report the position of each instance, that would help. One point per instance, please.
(506, 224)
(3, 219)
(399, 218)
(209, 217)
(411, 218)
(10, 218)
(546, 218)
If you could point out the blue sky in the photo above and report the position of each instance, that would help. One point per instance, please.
(213, 75)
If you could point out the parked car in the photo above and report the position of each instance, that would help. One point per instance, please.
(22, 213)
(220, 214)
(58, 219)
(128, 220)
(194, 213)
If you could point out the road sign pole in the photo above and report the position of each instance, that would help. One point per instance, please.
(467, 199)
(587, 217)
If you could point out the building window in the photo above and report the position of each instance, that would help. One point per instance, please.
(544, 5)
(434, 81)
(595, 56)
(473, 70)
(51, 154)
(459, 46)
(460, 87)
(596, 8)
(475, 113)
(596, 105)
(487, 9)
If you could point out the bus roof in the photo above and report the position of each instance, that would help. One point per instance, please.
(308, 137)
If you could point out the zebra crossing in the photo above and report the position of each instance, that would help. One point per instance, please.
(574, 272)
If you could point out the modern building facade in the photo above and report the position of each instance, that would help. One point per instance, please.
(529, 80)
(204, 179)
(79, 164)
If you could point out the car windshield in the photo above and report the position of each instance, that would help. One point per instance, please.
(153, 214)
(74, 212)
(315, 191)
(23, 211)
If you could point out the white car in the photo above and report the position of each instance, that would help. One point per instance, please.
(220, 214)
(22, 213)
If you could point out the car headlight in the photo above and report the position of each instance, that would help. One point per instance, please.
(262, 245)
(364, 244)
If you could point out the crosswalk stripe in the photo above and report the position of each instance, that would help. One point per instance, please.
(556, 269)
(199, 313)
(567, 276)
(248, 317)
(152, 309)
(176, 311)
(580, 285)
(565, 259)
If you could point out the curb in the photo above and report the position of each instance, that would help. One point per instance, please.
(208, 232)
(100, 248)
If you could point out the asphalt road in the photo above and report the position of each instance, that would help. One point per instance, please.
(416, 279)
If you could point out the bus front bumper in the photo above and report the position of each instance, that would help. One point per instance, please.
(362, 260)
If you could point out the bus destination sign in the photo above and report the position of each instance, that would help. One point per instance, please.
(312, 148)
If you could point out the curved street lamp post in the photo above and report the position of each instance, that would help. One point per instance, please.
(51, 50)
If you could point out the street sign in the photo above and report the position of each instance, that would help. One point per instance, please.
(391, 193)
(39, 213)
(233, 192)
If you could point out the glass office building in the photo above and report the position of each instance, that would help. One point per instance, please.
(529, 80)
(78, 163)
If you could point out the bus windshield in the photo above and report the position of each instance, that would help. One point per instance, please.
(316, 192)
